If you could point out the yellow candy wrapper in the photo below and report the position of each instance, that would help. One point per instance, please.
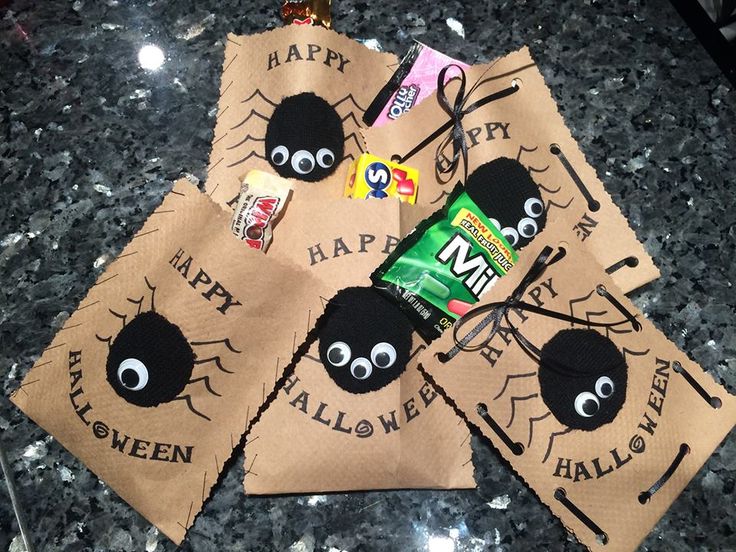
(373, 177)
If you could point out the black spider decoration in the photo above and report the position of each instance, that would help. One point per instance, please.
(582, 374)
(364, 341)
(254, 126)
(150, 361)
(304, 138)
(505, 192)
(582, 378)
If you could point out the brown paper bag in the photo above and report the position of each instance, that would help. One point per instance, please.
(341, 241)
(259, 70)
(525, 125)
(611, 483)
(315, 437)
(238, 312)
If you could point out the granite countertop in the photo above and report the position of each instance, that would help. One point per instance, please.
(91, 142)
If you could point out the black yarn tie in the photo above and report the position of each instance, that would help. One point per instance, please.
(456, 111)
(561, 496)
(498, 311)
(713, 401)
(646, 495)
(602, 291)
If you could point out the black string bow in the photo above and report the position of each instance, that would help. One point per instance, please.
(456, 111)
(499, 311)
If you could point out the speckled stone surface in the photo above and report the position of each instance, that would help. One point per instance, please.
(90, 142)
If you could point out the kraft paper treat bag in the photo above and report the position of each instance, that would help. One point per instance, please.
(316, 437)
(157, 374)
(602, 416)
(330, 80)
(520, 121)
(340, 241)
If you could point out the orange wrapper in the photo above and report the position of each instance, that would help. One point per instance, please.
(307, 12)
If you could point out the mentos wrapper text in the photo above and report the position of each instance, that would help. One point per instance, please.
(441, 269)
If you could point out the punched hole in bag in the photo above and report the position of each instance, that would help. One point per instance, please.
(593, 204)
(442, 358)
(713, 401)
(514, 446)
(646, 495)
(561, 496)
(603, 292)
(630, 262)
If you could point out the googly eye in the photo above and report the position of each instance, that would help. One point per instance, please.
(495, 223)
(302, 162)
(511, 235)
(279, 155)
(339, 354)
(383, 355)
(586, 404)
(133, 374)
(527, 227)
(325, 158)
(533, 207)
(361, 368)
(604, 387)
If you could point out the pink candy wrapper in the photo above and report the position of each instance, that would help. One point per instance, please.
(414, 80)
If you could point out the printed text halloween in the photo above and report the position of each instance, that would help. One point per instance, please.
(118, 440)
(612, 460)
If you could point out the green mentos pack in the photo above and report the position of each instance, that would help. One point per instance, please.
(451, 258)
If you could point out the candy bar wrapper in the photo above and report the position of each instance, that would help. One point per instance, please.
(371, 177)
(609, 483)
(315, 437)
(414, 80)
(262, 199)
(307, 12)
(523, 123)
(259, 71)
(154, 378)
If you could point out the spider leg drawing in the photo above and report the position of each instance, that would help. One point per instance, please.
(550, 191)
(150, 361)
(300, 136)
(549, 204)
(625, 326)
(551, 442)
(351, 113)
(532, 421)
(590, 316)
(514, 399)
(508, 380)
(530, 168)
